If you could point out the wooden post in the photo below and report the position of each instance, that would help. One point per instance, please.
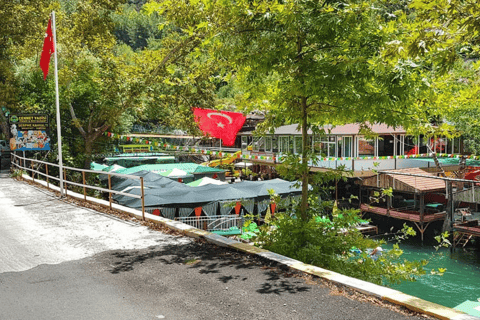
(109, 190)
(33, 173)
(84, 188)
(48, 184)
(422, 206)
(65, 179)
(143, 198)
(450, 212)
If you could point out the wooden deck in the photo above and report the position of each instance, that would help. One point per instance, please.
(409, 215)
(469, 227)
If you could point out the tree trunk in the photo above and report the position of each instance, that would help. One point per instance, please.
(304, 164)
(88, 152)
(4, 126)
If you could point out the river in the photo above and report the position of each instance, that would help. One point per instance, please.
(460, 282)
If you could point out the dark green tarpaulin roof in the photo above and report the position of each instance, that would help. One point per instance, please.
(184, 196)
(150, 180)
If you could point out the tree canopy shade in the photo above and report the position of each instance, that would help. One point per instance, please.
(323, 59)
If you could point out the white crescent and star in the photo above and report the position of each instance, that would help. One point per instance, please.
(220, 124)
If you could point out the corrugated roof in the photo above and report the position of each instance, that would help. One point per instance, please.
(419, 183)
(405, 182)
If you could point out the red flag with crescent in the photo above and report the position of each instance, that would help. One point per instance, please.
(48, 49)
(219, 124)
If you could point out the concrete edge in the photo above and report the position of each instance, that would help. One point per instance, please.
(381, 292)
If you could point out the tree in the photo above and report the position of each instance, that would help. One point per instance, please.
(445, 36)
(22, 20)
(324, 59)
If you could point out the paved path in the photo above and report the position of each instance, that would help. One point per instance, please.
(59, 261)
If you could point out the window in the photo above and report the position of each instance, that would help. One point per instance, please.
(453, 145)
(410, 146)
(298, 144)
(274, 144)
(244, 142)
(344, 146)
(283, 144)
(366, 147)
(258, 144)
(386, 145)
(325, 145)
(268, 144)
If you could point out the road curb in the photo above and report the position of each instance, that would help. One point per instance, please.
(381, 292)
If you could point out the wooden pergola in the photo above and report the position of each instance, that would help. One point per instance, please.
(412, 181)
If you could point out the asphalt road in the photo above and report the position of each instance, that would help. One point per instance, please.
(60, 261)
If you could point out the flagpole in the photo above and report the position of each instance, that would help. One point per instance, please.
(57, 102)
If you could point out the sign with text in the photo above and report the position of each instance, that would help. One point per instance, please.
(29, 132)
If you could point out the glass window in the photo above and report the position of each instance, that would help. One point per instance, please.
(344, 146)
(244, 142)
(325, 145)
(424, 144)
(268, 144)
(258, 144)
(410, 146)
(298, 144)
(453, 145)
(283, 144)
(274, 144)
(386, 145)
(440, 145)
(366, 147)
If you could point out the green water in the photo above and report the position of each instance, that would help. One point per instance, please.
(460, 282)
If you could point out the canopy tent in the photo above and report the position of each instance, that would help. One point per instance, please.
(113, 168)
(168, 167)
(150, 180)
(243, 164)
(204, 181)
(177, 173)
(129, 161)
(184, 196)
(97, 166)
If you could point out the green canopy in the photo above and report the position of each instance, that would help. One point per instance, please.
(97, 166)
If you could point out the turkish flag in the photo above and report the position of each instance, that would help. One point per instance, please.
(219, 124)
(48, 49)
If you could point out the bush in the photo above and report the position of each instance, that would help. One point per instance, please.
(335, 244)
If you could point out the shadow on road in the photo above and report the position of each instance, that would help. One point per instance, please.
(224, 264)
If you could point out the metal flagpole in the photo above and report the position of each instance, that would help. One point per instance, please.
(59, 129)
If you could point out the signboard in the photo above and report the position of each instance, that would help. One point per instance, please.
(29, 132)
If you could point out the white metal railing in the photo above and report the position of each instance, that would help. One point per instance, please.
(17, 162)
(213, 223)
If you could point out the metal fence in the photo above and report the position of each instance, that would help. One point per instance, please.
(214, 223)
(33, 166)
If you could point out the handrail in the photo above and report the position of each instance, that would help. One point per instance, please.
(17, 160)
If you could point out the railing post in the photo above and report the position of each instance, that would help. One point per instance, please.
(33, 172)
(84, 188)
(65, 180)
(143, 198)
(46, 169)
(109, 190)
